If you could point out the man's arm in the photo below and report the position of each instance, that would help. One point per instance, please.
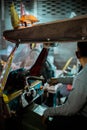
(64, 80)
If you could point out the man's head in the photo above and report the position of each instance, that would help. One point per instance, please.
(81, 49)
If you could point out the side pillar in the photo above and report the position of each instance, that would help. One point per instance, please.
(2, 41)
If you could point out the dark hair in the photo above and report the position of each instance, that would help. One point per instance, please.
(82, 46)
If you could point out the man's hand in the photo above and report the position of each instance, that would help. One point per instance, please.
(44, 119)
(53, 81)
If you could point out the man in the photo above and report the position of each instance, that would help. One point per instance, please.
(73, 113)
